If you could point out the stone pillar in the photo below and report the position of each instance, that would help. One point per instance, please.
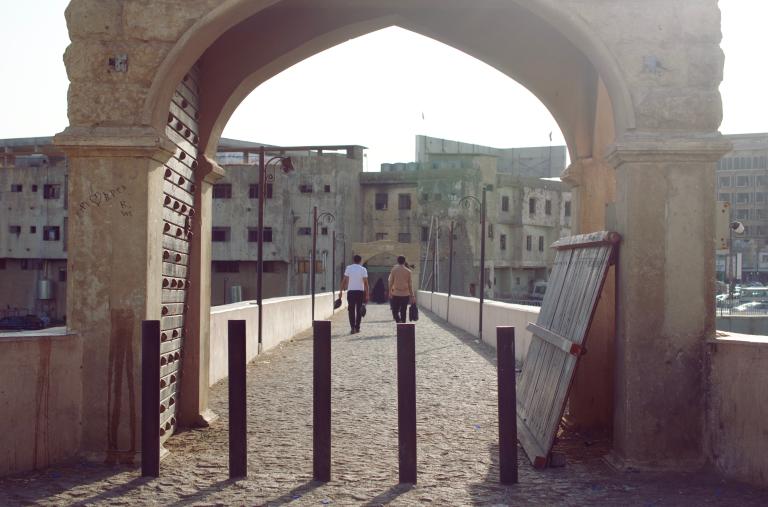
(590, 400)
(195, 380)
(114, 272)
(666, 272)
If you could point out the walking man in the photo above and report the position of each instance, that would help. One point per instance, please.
(355, 282)
(400, 289)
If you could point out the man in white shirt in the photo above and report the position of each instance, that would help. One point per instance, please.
(355, 282)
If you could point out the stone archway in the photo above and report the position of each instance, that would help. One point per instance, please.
(633, 86)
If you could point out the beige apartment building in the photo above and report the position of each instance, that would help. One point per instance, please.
(33, 228)
(527, 209)
(326, 178)
(742, 181)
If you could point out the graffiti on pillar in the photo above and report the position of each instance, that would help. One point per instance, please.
(97, 199)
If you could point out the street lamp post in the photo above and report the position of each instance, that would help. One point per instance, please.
(316, 218)
(466, 201)
(333, 265)
(287, 166)
(738, 228)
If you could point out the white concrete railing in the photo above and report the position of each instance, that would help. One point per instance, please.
(463, 312)
(283, 318)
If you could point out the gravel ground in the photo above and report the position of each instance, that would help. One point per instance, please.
(457, 441)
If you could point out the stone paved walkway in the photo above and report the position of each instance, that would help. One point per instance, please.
(457, 450)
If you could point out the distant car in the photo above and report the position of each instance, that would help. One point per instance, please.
(751, 306)
(19, 322)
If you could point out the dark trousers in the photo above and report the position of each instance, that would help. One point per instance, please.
(399, 305)
(354, 306)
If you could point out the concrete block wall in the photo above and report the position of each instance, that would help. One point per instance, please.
(463, 312)
(736, 416)
(40, 399)
(283, 319)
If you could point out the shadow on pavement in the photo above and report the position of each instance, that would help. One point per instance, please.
(389, 495)
(295, 493)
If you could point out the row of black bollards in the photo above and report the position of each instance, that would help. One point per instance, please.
(321, 401)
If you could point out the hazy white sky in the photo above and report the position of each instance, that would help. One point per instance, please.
(400, 85)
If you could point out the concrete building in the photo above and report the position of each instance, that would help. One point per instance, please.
(416, 203)
(324, 177)
(742, 181)
(33, 228)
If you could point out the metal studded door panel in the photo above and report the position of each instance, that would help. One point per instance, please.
(178, 213)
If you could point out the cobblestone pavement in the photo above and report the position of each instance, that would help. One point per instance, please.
(457, 441)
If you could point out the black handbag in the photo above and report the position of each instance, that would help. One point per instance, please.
(337, 304)
(413, 313)
(362, 311)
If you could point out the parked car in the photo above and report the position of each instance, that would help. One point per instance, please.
(751, 306)
(19, 322)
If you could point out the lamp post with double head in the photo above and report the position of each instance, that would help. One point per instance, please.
(287, 166)
(323, 217)
(467, 201)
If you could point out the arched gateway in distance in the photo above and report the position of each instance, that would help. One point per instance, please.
(633, 86)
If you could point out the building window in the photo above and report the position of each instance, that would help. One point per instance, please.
(14, 229)
(382, 201)
(404, 237)
(742, 214)
(762, 214)
(226, 266)
(324, 231)
(62, 274)
(16, 187)
(541, 243)
(34, 188)
(51, 233)
(32, 229)
(253, 190)
(528, 242)
(24, 263)
(305, 188)
(761, 181)
(51, 191)
(269, 267)
(490, 231)
(2, 263)
(222, 191)
(381, 236)
(504, 203)
(742, 181)
(424, 234)
(763, 162)
(742, 198)
(760, 196)
(220, 234)
(567, 208)
(724, 197)
(503, 241)
(403, 201)
(253, 234)
(532, 206)
(425, 197)
(305, 231)
(548, 207)
(327, 189)
(724, 181)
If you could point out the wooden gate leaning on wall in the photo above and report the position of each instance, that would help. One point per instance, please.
(579, 271)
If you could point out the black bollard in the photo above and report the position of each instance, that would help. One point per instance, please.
(406, 401)
(321, 401)
(505, 353)
(238, 424)
(150, 398)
